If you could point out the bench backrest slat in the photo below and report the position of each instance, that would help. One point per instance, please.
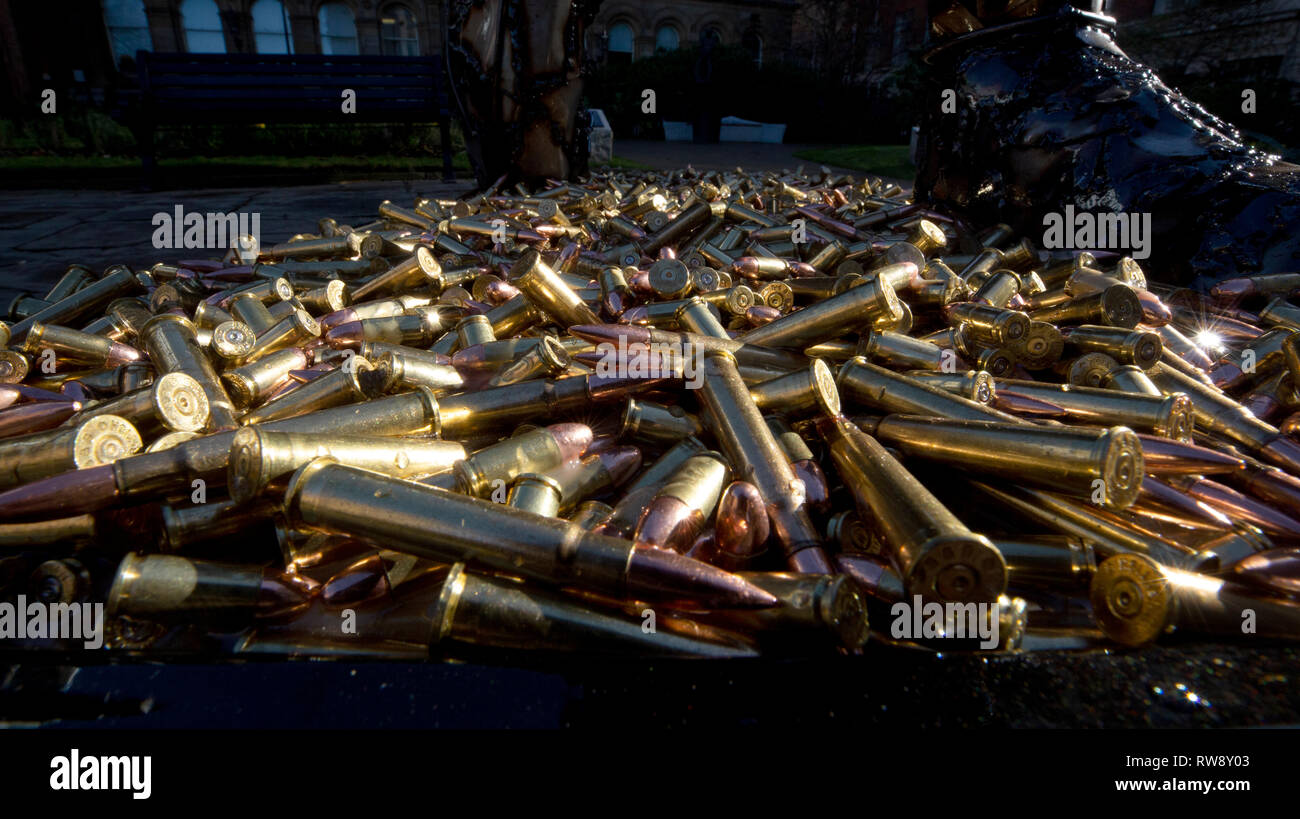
(289, 88)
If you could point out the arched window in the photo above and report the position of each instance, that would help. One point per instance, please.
(128, 28)
(271, 28)
(666, 39)
(711, 34)
(202, 24)
(398, 32)
(338, 29)
(753, 44)
(621, 43)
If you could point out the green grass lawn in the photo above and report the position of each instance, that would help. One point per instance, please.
(625, 164)
(881, 160)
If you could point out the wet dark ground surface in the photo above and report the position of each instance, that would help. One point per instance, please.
(1185, 686)
(42, 232)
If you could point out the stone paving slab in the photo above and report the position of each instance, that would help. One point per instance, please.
(724, 156)
(42, 232)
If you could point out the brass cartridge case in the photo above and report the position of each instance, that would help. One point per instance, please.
(536, 493)
(534, 451)
(548, 292)
(855, 307)
(250, 384)
(173, 347)
(349, 383)
(810, 388)
(1116, 306)
(1075, 460)
(414, 369)
(937, 555)
(657, 424)
(496, 612)
(252, 311)
(861, 382)
(1136, 600)
(684, 504)
(174, 402)
(94, 442)
(1172, 415)
(757, 458)
(1142, 349)
(259, 456)
(120, 282)
(175, 587)
(439, 525)
(75, 346)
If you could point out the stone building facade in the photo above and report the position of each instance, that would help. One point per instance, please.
(39, 49)
(629, 29)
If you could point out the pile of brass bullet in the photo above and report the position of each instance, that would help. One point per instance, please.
(669, 414)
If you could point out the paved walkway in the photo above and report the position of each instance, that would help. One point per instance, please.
(752, 156)
(42, 232)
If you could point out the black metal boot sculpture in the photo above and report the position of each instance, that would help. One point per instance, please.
(1035, 115)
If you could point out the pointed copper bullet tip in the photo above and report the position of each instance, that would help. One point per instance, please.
(361, 582)
(1154, 311)
(282, 594)
(865, 570)
(28, 418)
(761, 314)
(801, 269)
(622, 462)
(119, 354)
(601, 443)
(635, 315)
(526, 235)
(590, 358)
(1167, 456)
(76, 391)
(29, 393)
(331, 320)
(817, 493)
(1233, 289)
(1236, 505)
(347, 334)
(1283, 452)
(1274, 569)
(500, 292)
(599, 333)
(667, 523)
(470, 358)
(614, 303)
(743, 525)
(572, 439)
(77, 492)
(1157, 494)
(1226, 375)
(1020, 404)
(659, 574)
(202, 266)
(705, 544)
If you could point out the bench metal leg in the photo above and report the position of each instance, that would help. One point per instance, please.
(148, 160)
(444, 133)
